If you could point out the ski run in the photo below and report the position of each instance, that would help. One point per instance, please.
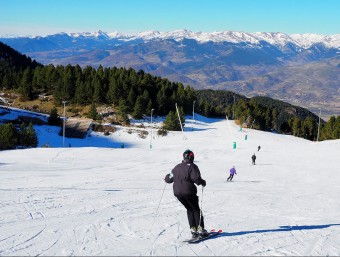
(97, 198)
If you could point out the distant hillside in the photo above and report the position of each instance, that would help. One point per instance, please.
(12, 58)
(302, 69)
(263, 113)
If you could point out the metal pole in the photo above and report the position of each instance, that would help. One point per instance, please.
(64, 102)
(180, 122)
(234, 109)
(318, 126)
(151, 130)
(193, 115)
(201, 209)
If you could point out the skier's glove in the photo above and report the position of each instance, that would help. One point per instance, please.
(204, 183)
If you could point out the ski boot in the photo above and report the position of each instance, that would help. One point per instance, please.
(202, 232)
(194, 232)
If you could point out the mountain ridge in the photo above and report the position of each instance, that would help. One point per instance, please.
(276, 38)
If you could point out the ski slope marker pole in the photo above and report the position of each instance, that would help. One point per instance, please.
(179, 118)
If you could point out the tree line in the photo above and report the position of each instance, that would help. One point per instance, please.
(267, 114)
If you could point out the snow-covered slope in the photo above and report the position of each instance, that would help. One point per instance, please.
(113, 201)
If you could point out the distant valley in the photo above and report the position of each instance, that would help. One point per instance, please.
(300, 69)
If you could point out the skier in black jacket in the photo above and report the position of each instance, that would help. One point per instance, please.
(184, 176)
(253, 158)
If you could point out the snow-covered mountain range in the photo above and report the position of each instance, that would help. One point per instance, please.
(274, 38)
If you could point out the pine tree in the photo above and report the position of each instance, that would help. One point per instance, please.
(131, 99)
(161, 101)
(22, 135)
(97, 90)
(32, 138)
(54, 119)
(80, 96)
(149, 107)
(296, 127)
(229, 111)
(138, 109)
(274, 121)
(172, 123)
(336, 130)
(26, 85)
(206, 109)
(122, 106)
(8, 136)
(112, 94)
(309, 129)
(93, 114)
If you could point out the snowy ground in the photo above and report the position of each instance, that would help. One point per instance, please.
(107, 200)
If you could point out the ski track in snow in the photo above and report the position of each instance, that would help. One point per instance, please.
(103, 201)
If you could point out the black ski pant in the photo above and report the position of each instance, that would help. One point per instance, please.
(230, 177)
(190, 202)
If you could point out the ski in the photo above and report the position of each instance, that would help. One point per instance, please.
(211, 234)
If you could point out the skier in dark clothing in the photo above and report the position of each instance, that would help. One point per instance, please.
(258, 148)
(253, 158)
(184, 176)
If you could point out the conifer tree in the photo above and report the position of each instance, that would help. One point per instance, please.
(336, 130)
(32, 138)
(122, 106)
(22, 135)
(131, 99)
(26, 85)
(149, 107)
(8, 136)
(97, 90)
(309, 129)
(80, 96)
(54, 119)
(112, 93)
(274, 120)
(138, 109)
(171, 122)
(296, 126)
(93, 114)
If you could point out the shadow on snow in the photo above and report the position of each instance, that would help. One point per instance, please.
(280, 229)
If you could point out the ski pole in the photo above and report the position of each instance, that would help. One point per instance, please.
(201, 208)
(153, 221)
(159, 204)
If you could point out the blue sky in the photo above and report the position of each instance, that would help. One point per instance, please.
(42, 17)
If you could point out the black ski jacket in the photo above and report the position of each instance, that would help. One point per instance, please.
(184, 176)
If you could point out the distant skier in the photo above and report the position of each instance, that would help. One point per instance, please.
(258, 148)
(184, 176)
(253, 159)
(232, 173)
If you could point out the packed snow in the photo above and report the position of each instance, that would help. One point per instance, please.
(103, 199)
